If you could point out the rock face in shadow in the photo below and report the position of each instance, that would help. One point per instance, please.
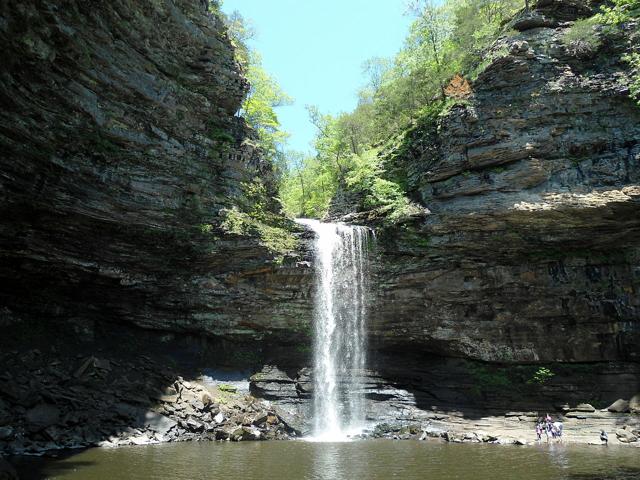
(122, 156)
(531, 249)
(126, 386)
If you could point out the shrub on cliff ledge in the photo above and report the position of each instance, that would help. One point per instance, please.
(582, 39)
(634, 60)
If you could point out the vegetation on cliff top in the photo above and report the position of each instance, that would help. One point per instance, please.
(444, 40)
(265, 95)
(257, 213)
(358, 152)
(586, 36)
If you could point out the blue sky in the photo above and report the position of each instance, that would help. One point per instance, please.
(315, 49)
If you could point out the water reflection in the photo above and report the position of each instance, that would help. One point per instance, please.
(371, 460)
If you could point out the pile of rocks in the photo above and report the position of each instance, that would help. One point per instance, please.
(75, 402)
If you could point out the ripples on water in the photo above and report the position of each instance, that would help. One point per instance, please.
(371, 460)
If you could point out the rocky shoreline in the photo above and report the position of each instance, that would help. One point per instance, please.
(67, 402)
(80, 402)
(517, 428)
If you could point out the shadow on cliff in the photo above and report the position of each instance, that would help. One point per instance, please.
(475, 389)
(68, 386)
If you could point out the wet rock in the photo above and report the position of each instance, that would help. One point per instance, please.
(6, 433)
(260, 419)
(634, 404)
(273, 383)
(141, 440)
(452, 437)
(434, 432)
(194, 425)
(246, 434)
(293, 422)
(385, 429)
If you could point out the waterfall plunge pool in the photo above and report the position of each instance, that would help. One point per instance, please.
(359, 460)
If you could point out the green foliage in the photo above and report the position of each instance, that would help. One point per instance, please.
(367, 177)
(541, 376)
(634, 60)
(223, 387)
(490, 377)
(403, 96)
(274, 236)
(308, 186)
(256, 217)
(265, 95)
(614, 14)
(618, 11)
(582, 39)
(206, 228)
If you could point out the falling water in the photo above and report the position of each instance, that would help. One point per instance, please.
(341, 254)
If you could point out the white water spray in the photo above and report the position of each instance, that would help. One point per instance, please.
(341, 258)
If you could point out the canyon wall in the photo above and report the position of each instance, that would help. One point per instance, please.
(124, 167)
(123, 157)
(530, 250)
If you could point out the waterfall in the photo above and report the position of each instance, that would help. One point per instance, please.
(340, 313)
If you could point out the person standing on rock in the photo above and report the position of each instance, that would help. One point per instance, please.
(604, 438)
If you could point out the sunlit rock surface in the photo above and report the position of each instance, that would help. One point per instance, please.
(531, 250)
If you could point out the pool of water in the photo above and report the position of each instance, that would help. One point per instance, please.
(370, 460)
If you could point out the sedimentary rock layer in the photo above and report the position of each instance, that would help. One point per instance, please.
(121, 153)
(531, 247)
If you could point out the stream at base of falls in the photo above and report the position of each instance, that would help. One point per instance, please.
(359, 460)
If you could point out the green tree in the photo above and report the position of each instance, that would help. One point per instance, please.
(265, 95)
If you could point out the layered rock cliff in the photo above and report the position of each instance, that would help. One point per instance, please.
(531, 248)
(126, 175)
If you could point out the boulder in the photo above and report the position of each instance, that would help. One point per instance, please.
(6, 433)
(159, 423)
(625, 436)
(141, 440)
(619, 406)
(194, 425)
(206, 400)
(434, 432)
(260, 418)
(246, 434)
(219, 418)
(293, 423)
(634, 403)
(584, 407)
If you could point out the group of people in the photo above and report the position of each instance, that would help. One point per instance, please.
(553, 430)
(550, 428)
